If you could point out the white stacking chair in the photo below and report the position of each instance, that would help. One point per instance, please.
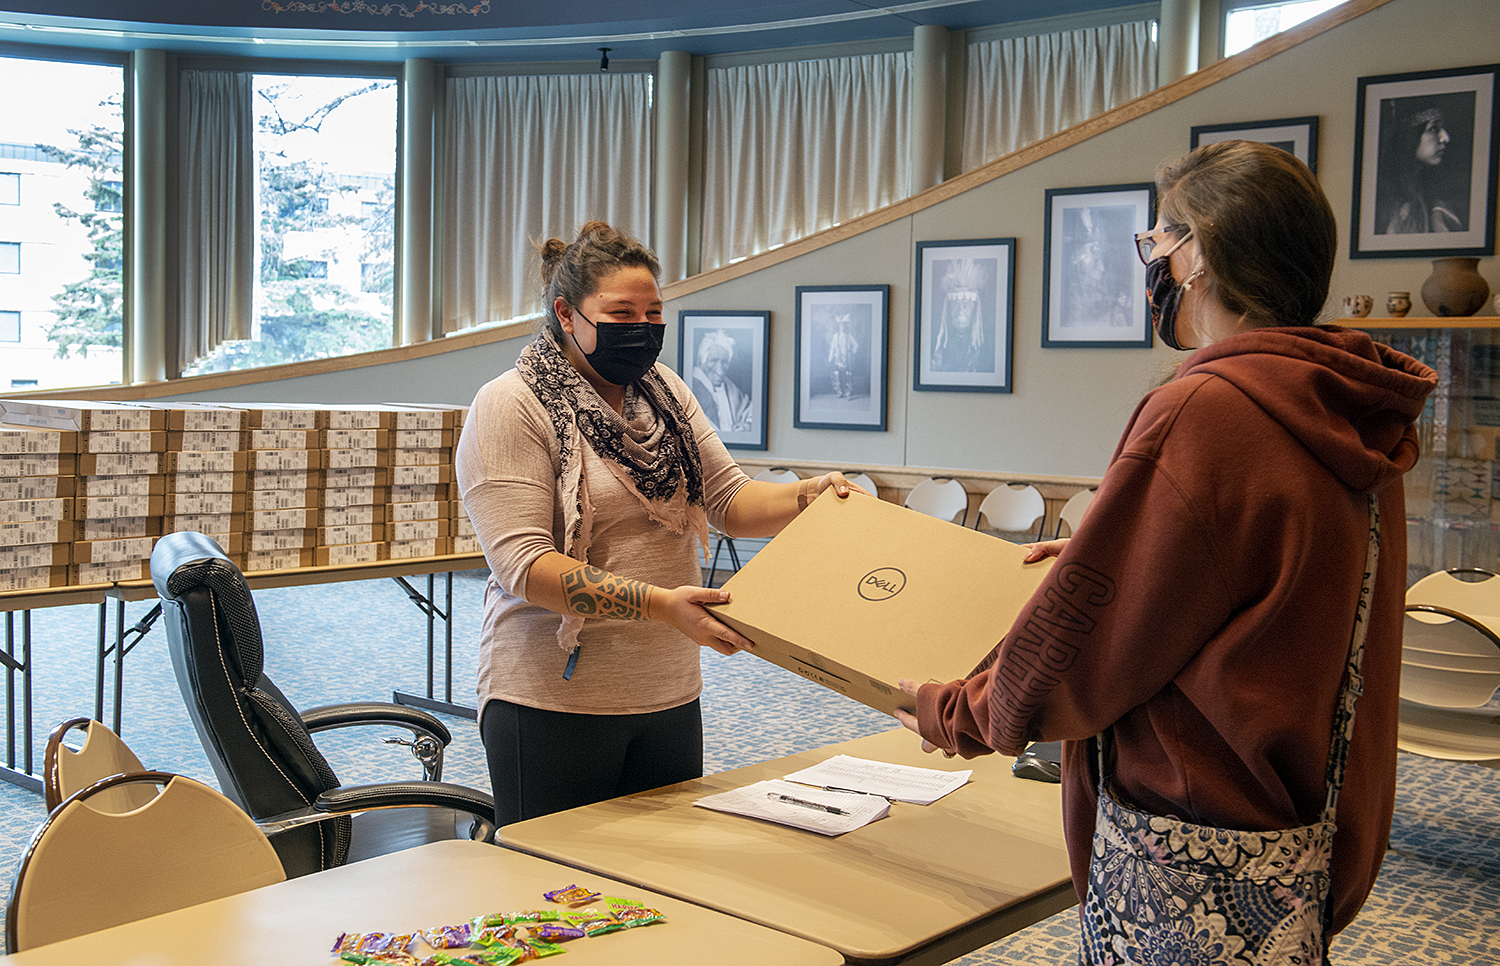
(1013, 508)
(1450, 667)
(723, 541)
(1073, 511)
(940, 497)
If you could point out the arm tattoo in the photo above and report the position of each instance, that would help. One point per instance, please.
(591, 592)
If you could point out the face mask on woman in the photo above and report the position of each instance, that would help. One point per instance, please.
(623, 351)
(1165, 294)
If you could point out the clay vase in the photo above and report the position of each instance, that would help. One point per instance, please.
(1398, 304)
(1455, 287)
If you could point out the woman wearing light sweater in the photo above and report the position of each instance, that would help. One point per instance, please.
(591, 476)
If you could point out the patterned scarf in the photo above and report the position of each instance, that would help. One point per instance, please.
(651, 449)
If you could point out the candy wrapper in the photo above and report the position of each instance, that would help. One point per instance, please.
(449, 937)
(373, 943)
(598, 927)
(525, 917)
(570, 894)
(556, 932)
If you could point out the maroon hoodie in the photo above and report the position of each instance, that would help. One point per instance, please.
(1202, 612)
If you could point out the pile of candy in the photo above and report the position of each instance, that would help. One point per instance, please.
(501, 938)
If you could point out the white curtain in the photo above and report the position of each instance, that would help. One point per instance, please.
(793, 148)
(1026, 88)
(217, 204)
(528, 158)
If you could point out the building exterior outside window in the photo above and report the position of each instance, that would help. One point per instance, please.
(60, 219)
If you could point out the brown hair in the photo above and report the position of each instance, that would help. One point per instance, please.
(1264, 226)
(573, 272)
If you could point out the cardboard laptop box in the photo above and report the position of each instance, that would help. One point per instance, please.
(857, 593)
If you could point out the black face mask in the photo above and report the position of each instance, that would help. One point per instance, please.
(1164, 293)
(623, 351)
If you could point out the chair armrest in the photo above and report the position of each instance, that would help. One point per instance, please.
(329, 716)
(348, 799)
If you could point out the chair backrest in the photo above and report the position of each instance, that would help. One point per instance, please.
(1073, 511)
(1448, 660)
(940, 497)
(261, 752)
(1013, 508)
(1468, 591)
(863, 480)
(88, 868)
(778, 474)
(102, 754)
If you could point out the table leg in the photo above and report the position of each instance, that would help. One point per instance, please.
(428, 605)
(125, 642)
(23, 776)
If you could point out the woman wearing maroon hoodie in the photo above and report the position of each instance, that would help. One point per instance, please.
(1201, 615)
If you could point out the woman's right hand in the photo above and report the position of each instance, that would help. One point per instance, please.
(683, 609)
(1044, 549)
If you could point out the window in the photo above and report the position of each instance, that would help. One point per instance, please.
(1248, 23)
(326, 163)
(68, 146)
(10, 326)
(23, 383)
(109, 196)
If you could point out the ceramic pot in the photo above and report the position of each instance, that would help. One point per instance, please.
(1398, 304)
(1455, 287)
(1357, 306)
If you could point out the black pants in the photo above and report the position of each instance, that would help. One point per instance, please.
(547, 761)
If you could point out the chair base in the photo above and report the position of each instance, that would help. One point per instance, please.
(388, 830)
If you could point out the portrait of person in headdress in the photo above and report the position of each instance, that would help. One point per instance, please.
(962, 340)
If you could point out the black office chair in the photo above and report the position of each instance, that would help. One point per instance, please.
(261, 748)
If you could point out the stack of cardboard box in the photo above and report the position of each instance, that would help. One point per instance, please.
(37, 485)
(92, 485)
(356, 491)
(207, 472)
(465, 540)
(121, 503)
(421, 515)
(286, 485)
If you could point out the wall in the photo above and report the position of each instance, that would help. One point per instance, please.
(1068, 405)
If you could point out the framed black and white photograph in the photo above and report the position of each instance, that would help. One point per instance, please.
(1093, 282)
(965, 291)
(1425, 156)
(1295, 135)
(841, 356)
(722, 356)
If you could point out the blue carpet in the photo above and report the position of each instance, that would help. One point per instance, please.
(1435, 901)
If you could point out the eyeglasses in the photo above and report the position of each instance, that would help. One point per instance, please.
(1145, 241)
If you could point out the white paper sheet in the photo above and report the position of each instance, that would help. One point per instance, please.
(806, 808)
(899, 783)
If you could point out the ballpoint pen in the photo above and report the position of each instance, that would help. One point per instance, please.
(804, 803)
(852, 791)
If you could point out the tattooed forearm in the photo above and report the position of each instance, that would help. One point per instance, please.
(591, 592)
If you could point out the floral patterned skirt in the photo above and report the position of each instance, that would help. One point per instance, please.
(1168, 893)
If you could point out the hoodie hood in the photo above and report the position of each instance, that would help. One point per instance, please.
(1349, 400)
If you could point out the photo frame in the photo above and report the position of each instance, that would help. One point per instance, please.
(1093, 282)
(724, 357)
(841, 356)
(965, 296)
(1297, 135)
(1425, 157)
